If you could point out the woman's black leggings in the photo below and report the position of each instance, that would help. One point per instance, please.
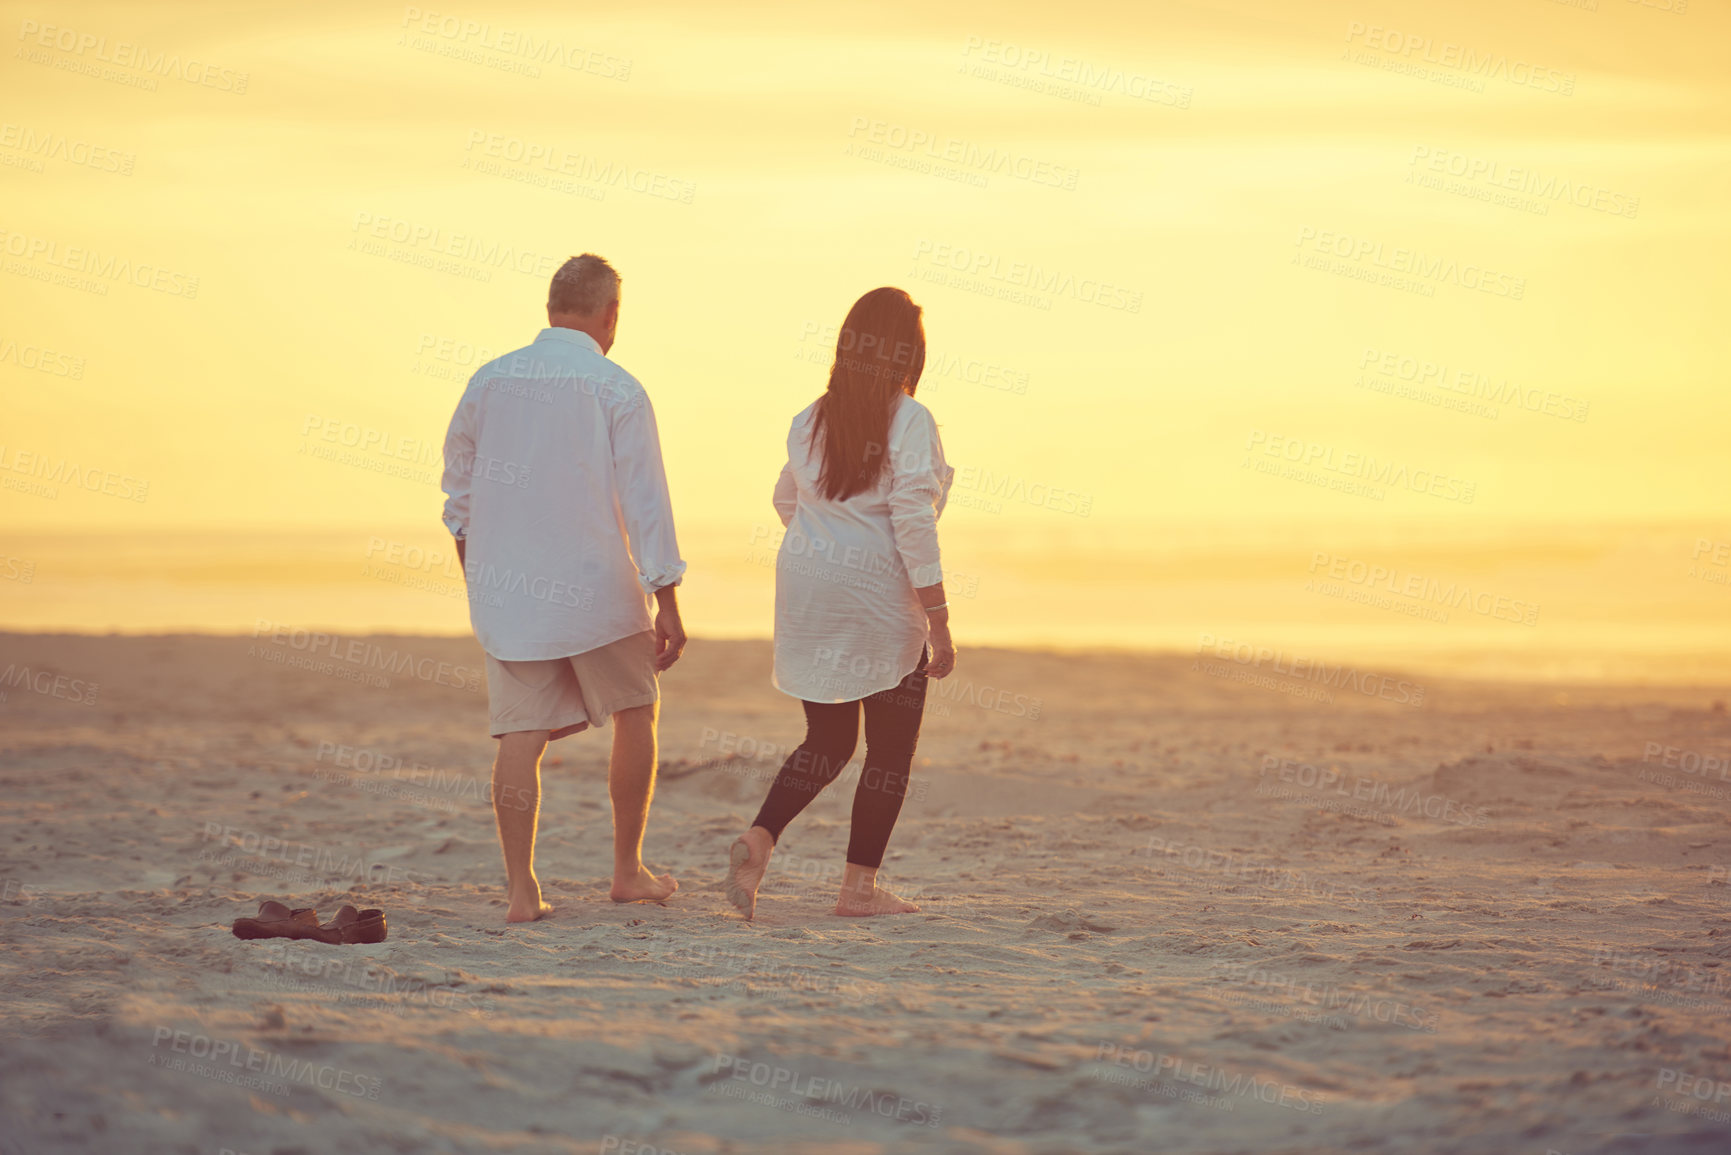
(892, 728)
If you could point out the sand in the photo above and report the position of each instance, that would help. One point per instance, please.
(1170, 905)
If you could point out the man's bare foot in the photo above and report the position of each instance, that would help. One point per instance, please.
(747, 861)
(643, 887)
(527, 906)
(863, 903)
(528, 913)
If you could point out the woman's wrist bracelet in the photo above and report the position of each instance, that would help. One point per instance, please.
(936, 608)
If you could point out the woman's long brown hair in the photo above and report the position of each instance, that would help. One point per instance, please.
(879, 355)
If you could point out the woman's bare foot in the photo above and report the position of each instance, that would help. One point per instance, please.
(527, 905)
(747, 861)
(862, 897)
(876, 901)
(643, 886)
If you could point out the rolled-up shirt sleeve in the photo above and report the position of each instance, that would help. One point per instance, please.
(459, 475)
(919, 487)
(786, 495)
(644, 500)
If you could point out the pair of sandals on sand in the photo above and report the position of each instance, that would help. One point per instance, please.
(276, 920)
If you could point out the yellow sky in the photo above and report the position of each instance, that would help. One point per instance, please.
(1234, 171)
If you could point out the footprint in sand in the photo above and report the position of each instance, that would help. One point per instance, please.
(1069, 922)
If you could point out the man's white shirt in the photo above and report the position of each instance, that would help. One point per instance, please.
(553, 475)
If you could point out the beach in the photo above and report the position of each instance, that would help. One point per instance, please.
(1225, 901)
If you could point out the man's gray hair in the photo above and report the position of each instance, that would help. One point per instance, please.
(583, 285)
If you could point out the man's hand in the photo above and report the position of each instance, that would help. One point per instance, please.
(669, 630)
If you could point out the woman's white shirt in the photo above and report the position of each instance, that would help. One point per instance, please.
(847, 620)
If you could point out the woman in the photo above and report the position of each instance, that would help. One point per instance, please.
(859, 594)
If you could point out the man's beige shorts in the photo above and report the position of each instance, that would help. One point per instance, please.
(565, 695)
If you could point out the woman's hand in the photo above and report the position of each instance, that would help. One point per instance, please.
(937, 608)
(943, 661)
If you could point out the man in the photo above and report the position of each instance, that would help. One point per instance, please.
(558, 500)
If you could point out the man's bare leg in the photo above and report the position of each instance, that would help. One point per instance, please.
(517, 807)
(631, 781)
